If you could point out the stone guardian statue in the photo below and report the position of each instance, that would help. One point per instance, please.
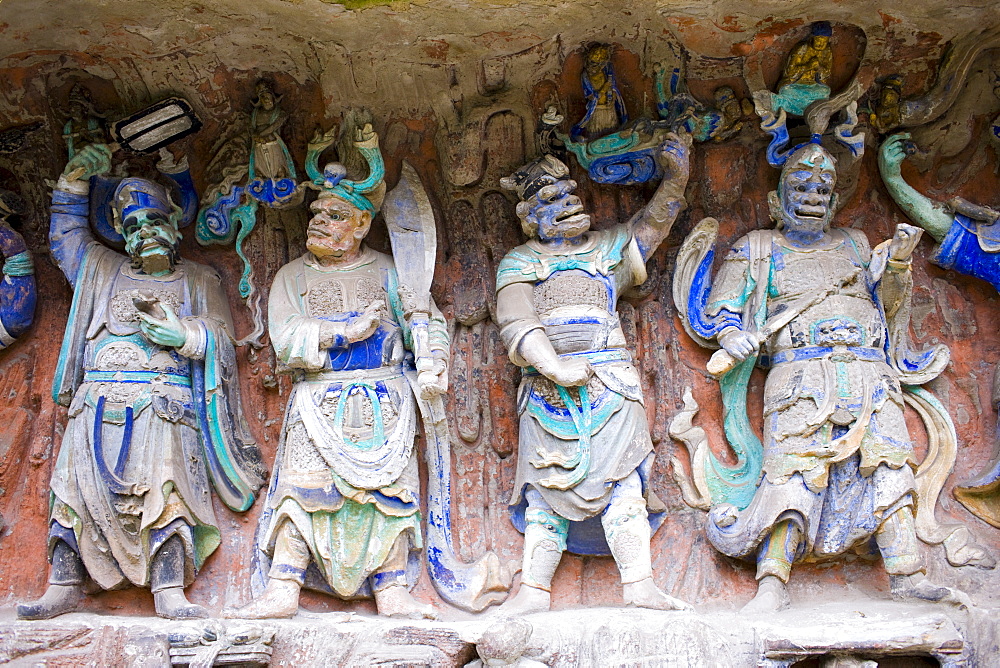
(148, 371)
(584, 453)
(342, 513)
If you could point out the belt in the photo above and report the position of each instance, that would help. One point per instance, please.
(121, 376)
(592, 356)
(371, 375)
(837, 353)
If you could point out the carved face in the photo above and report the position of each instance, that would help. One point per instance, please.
(820, 42)
(336, 230)
(806, 191)
(555, 212)
(151, 240)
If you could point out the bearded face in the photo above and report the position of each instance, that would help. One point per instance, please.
(151, 240)
(336, 230)
(555, 212)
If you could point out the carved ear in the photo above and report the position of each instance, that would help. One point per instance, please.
(362, 230)
(834, 203)
(774, 205)
(523, 209)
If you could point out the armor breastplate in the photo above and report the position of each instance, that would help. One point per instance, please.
(578, 312)
(343, 295)
(122, 315)
(847, 317)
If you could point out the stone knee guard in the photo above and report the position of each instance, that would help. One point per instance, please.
(167, 569)
(897, 541)
(393, 572)
(67, 567)
(626, 528)
(291, 555)
(544, 542)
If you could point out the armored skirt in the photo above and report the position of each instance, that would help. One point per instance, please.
(334, 430)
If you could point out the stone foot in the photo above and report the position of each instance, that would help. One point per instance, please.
(172, 604)
(280, 599)
(57, 600)
(528, 600)
(772, 596)
(396, 601)
(919, 586)
(645, 594)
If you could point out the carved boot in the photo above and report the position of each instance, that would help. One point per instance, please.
(285, 579)
(774, 566)
(627, 530)
(65, 588)
(897, 541)
(544, 543)
(392, 595)
(166, 581)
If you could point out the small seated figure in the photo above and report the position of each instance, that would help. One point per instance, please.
(806, 75)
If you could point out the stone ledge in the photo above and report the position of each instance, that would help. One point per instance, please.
(581, 638)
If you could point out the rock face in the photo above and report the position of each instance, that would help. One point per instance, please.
(456, 89)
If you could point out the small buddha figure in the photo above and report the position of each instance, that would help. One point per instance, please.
(806, 76)
(811, 61)
(605, 106)
(885, 112)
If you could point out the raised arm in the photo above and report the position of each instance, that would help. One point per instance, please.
(925, 212)
(69, 227)
(652, 224)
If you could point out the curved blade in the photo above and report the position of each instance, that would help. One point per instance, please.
(410, 219)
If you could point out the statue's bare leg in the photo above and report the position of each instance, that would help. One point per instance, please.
(774, 565)
(280, 599)
(392, 595)
(897, 541)
(626, 527)
(544, 542)
(65, 588)
(166, 581)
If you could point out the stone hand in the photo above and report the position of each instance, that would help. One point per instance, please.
(92, 160)
(569, 372)
(166, 332)
(320, 140)
(675, 154)
(364, 134)
(364, 325)
(904, 241)
(434, 382)
(738, 343)
(891, 154)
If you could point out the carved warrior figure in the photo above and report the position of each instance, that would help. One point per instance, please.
(269, 156)
(585, 453)
(829, 317)
(969, 243)
(148, 370)
(342, 512)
